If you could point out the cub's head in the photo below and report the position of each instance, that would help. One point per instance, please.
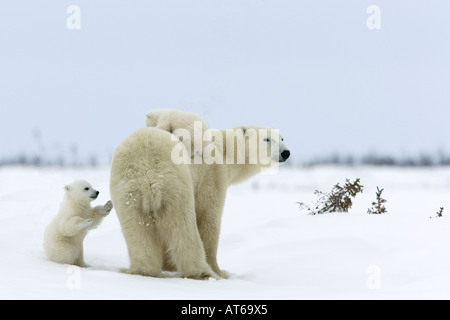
(81, 190)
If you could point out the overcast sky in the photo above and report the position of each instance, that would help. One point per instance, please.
(313, 69)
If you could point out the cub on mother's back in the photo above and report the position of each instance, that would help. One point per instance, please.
(188, 126)
(63, 237)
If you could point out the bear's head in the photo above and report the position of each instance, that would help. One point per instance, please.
(257, 145)
(270, 143)
(81, 191)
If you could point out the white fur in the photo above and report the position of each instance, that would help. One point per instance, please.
(170, 213)
(186, 125)
(63, 237)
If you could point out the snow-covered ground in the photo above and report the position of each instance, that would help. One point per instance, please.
(273, 250)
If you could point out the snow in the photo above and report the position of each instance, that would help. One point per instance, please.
(271, 249)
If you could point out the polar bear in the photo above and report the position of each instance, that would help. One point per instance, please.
(63, 237)
(170, 213)
(187, 126)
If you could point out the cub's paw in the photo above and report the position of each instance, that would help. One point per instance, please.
(85, 223)
(107, 207)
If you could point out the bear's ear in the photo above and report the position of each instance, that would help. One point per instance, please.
(150, 119)
(67, 188)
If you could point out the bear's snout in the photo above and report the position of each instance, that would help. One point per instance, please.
(285, 155)
(95, 194)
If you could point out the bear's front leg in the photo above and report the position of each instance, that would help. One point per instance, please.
(104, 210)
(99, 212)
(208, 223)
(209, 233)
(84, 224)
(72, 227)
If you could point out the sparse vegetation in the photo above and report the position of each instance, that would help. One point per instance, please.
(338, 200)
(378, 205)
(439, 213)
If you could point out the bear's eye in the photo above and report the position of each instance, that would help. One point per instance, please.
(266, 139)
(86, 189)
(282, 139)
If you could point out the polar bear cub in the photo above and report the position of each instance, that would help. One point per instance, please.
(187, 125)
(63, 237)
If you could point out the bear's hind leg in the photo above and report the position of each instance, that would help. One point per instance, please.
(64, 253)
(183, 242)
(144, 250)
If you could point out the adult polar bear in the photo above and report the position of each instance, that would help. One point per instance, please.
(170, 213)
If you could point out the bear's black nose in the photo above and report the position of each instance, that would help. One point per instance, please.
(97, 192)
(285, 154)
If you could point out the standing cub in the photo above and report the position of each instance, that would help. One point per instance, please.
(63, 237)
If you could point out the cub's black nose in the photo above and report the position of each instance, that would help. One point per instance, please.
(285, 154)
